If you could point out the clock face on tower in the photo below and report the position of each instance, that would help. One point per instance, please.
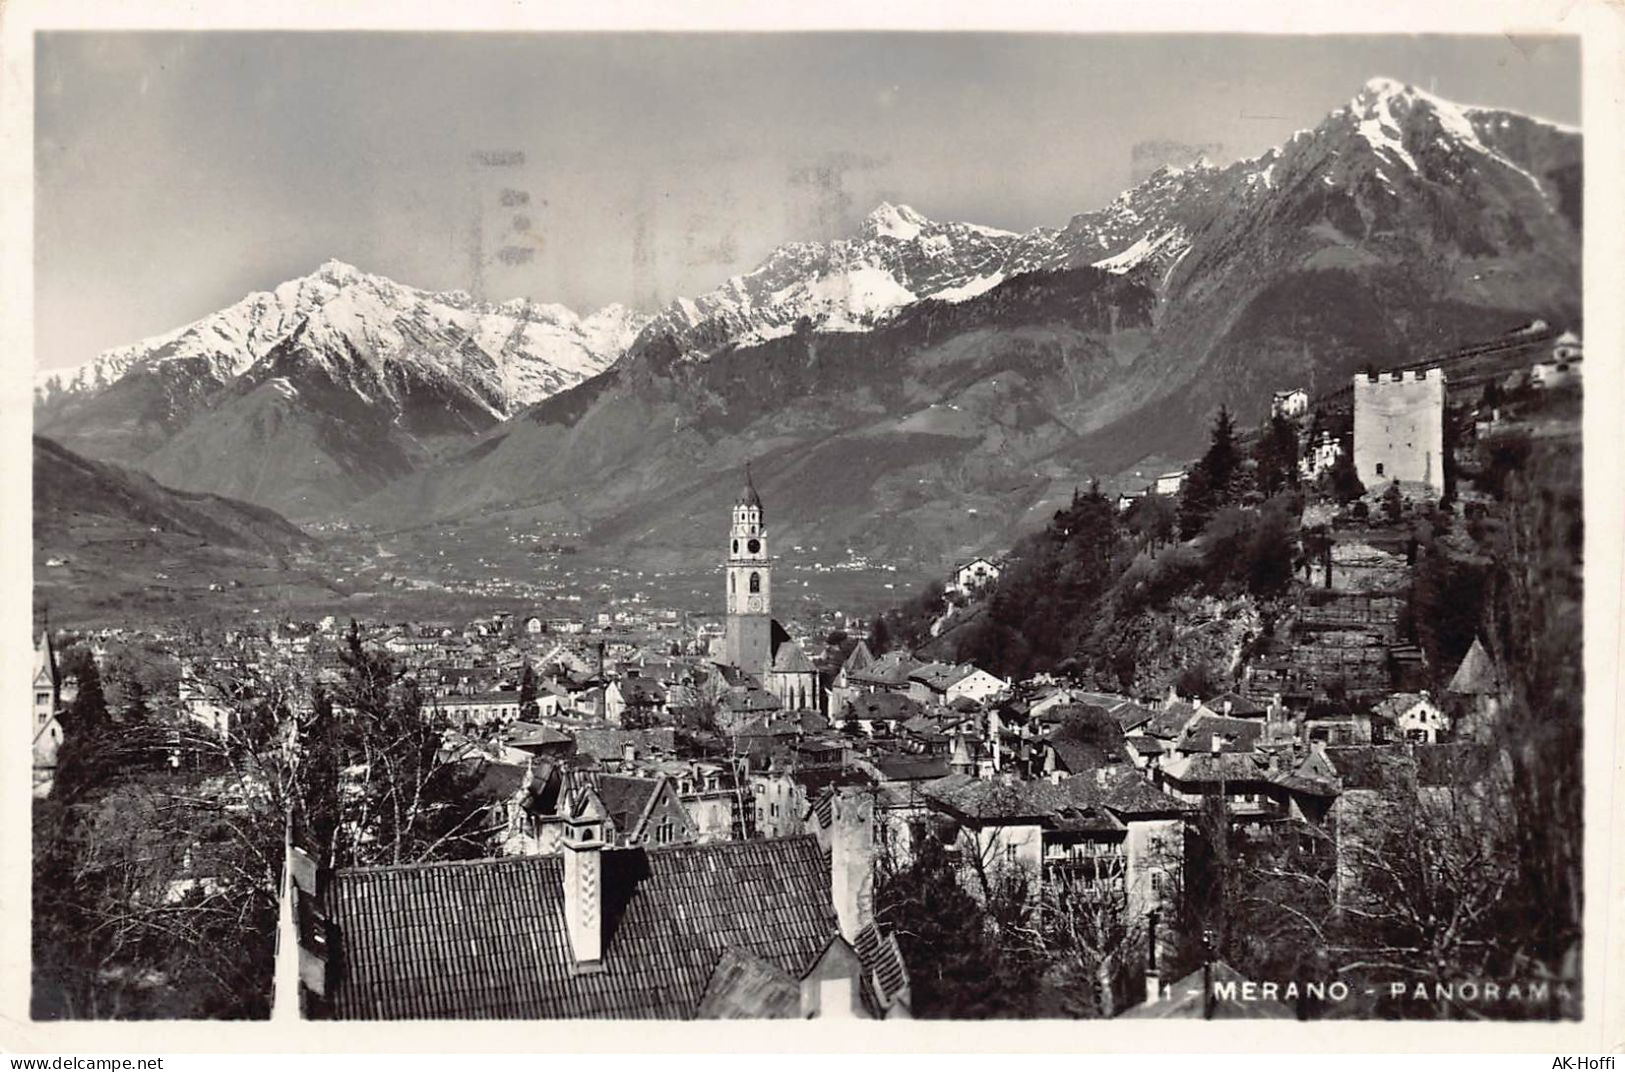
(754, 546)
(754, 604)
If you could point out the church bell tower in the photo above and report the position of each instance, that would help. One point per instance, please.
(748, 641)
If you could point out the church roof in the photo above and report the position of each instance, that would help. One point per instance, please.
(861, 658)
(45, 659)
(788, 658)
(1477, 675)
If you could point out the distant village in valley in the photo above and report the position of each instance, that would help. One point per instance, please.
(1261, 737)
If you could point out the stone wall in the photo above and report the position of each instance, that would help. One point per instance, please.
(1399, 429)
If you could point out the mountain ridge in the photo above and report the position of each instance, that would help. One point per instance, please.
(1400, 222)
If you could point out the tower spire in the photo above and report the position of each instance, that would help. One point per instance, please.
(748, 497)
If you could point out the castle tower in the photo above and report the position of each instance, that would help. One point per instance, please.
(1399, 429)
(748, 642)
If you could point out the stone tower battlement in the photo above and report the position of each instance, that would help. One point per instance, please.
(1399, 429)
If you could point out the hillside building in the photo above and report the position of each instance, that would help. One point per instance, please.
(1399, 430)
(1169, 483)
(1290, 404)
(973, 576)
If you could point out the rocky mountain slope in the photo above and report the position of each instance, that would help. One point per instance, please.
(920, 389)
(67, 485)
(924, 429)
(112, 544)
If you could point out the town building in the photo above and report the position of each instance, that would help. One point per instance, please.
(1562, 369)
(973, 576)
(1399, 430)
(763, 929)
(1289, 404)
(47, 706)
(1320, 455)
(1171, 483)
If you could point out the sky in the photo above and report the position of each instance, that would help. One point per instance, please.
(177, 172)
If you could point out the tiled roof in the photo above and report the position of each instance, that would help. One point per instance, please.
(1170, 722)
(891, 669)
(1086, 737)
(895, 768)
(970, 798)
(884, 706)
(521, 734)
(1227, 766)
(626, 798)
(1125, 792)
(816, 779)
(1240, 706)
(1398, 704)
(860, 659)
(746, 987)
(884, 971)
(1131, 715)
(498, 781)
(936, 676)
(608, 743)
(487, 938)
(1237, 734)
(788, 658)
(1363, 766)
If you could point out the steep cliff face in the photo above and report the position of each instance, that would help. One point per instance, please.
(1163, 644)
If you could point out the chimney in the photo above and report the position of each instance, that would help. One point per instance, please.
(1217, 744)
(629, 753)
(583, 880)
(851, 861)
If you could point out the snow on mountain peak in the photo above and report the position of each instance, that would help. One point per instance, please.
(894, 221)
(337, 272)
(516, 352)
(1381, 88)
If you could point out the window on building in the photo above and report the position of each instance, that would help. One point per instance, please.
(755, 582)
(1010, 854)
(1379, 468)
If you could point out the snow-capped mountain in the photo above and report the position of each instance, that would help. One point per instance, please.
(513, 354)
(352, 376)
(1400, 226)
(1401, 222)
(899, 256)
